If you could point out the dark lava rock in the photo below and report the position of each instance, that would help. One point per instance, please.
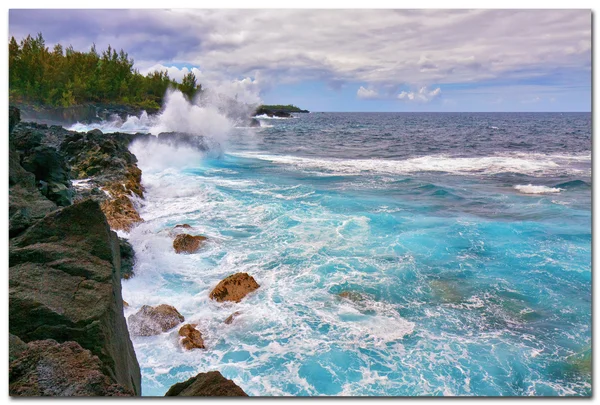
(127, 258)
(47, 368)
(26, 203)
(211, 384)
(65, 284)
(234, 288)
(149, 321)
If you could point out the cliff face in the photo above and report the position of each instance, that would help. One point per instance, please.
(64, 285)
(67, 332)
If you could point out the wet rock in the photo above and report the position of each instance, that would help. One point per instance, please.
(120, 213)
(234, 288)
(49, 166)
(185, 243)
(211, 384)
(125, 304)
(65, 284)
(254, 123)
(184, 226)
(14, 117)
(192, 338)
(127, 258)
(231, 317)
(149, 321)
(351, 295)
(47, 368)
(15, 347)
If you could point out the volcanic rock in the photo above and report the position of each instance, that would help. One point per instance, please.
(211, 384)
(65, 284)
(149, 321)
(234, 288)
(192, 338)
(185, 243)
(47, 368)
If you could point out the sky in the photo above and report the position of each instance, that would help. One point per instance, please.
(349, 60)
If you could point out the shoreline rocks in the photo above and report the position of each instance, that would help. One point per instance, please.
(49, 368)
(234, 288)
(211, 384)
(65, 284)
(149, 321)
(185, 243)
(192, 338)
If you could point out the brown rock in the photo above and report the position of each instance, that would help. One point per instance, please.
(47, 368)
(120, 213)
(185, 243)
(231, 317)
(211, 384)
(192, 338)
(234, 288)
(186, 226)
(351, 295)
(125, 304)
(149, 321)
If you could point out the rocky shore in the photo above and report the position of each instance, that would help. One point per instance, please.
(68, 194)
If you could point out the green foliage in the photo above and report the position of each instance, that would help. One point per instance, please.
(279, 107)
(65, 77)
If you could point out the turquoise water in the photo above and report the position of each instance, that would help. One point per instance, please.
(468, 268)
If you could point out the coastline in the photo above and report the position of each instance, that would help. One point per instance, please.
(69, 194)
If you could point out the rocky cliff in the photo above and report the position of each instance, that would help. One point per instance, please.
(64, 280)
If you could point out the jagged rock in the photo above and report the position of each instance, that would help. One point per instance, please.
(120, 213)
(65, 284)
(231, 317)
(26, 203)
(185, 226)
(234, 288)
(49, 166)
(211, 384)
(254, 123)
(351, 295)
(192, 338)
(47, 368)
(15, 347)
(14, 117)
(127, 258)
(125, 304)
(185, 243)
(149, 321)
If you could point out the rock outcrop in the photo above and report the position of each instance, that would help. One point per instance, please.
(192, 338)
(47, 368)
(149, 321)
(234, 288)
(185, 243)
(127, 258)
(65, 284)
(230, 318)
(211, 384)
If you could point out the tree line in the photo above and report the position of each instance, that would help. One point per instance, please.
(66, 77)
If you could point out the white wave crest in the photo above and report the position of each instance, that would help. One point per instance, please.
(531, 189)
(487, 165)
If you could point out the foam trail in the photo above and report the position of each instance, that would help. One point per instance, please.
(487, 165)
(531, 189)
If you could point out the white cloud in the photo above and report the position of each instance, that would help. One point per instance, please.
(423, 95)
(374, 47)
(366, 94)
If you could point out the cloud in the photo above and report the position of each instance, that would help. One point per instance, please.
(366, 94)
(377, 48)
(423, 95)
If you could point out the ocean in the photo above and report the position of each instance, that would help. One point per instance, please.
(462, 242)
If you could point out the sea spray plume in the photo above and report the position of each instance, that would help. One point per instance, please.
(179, 115)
